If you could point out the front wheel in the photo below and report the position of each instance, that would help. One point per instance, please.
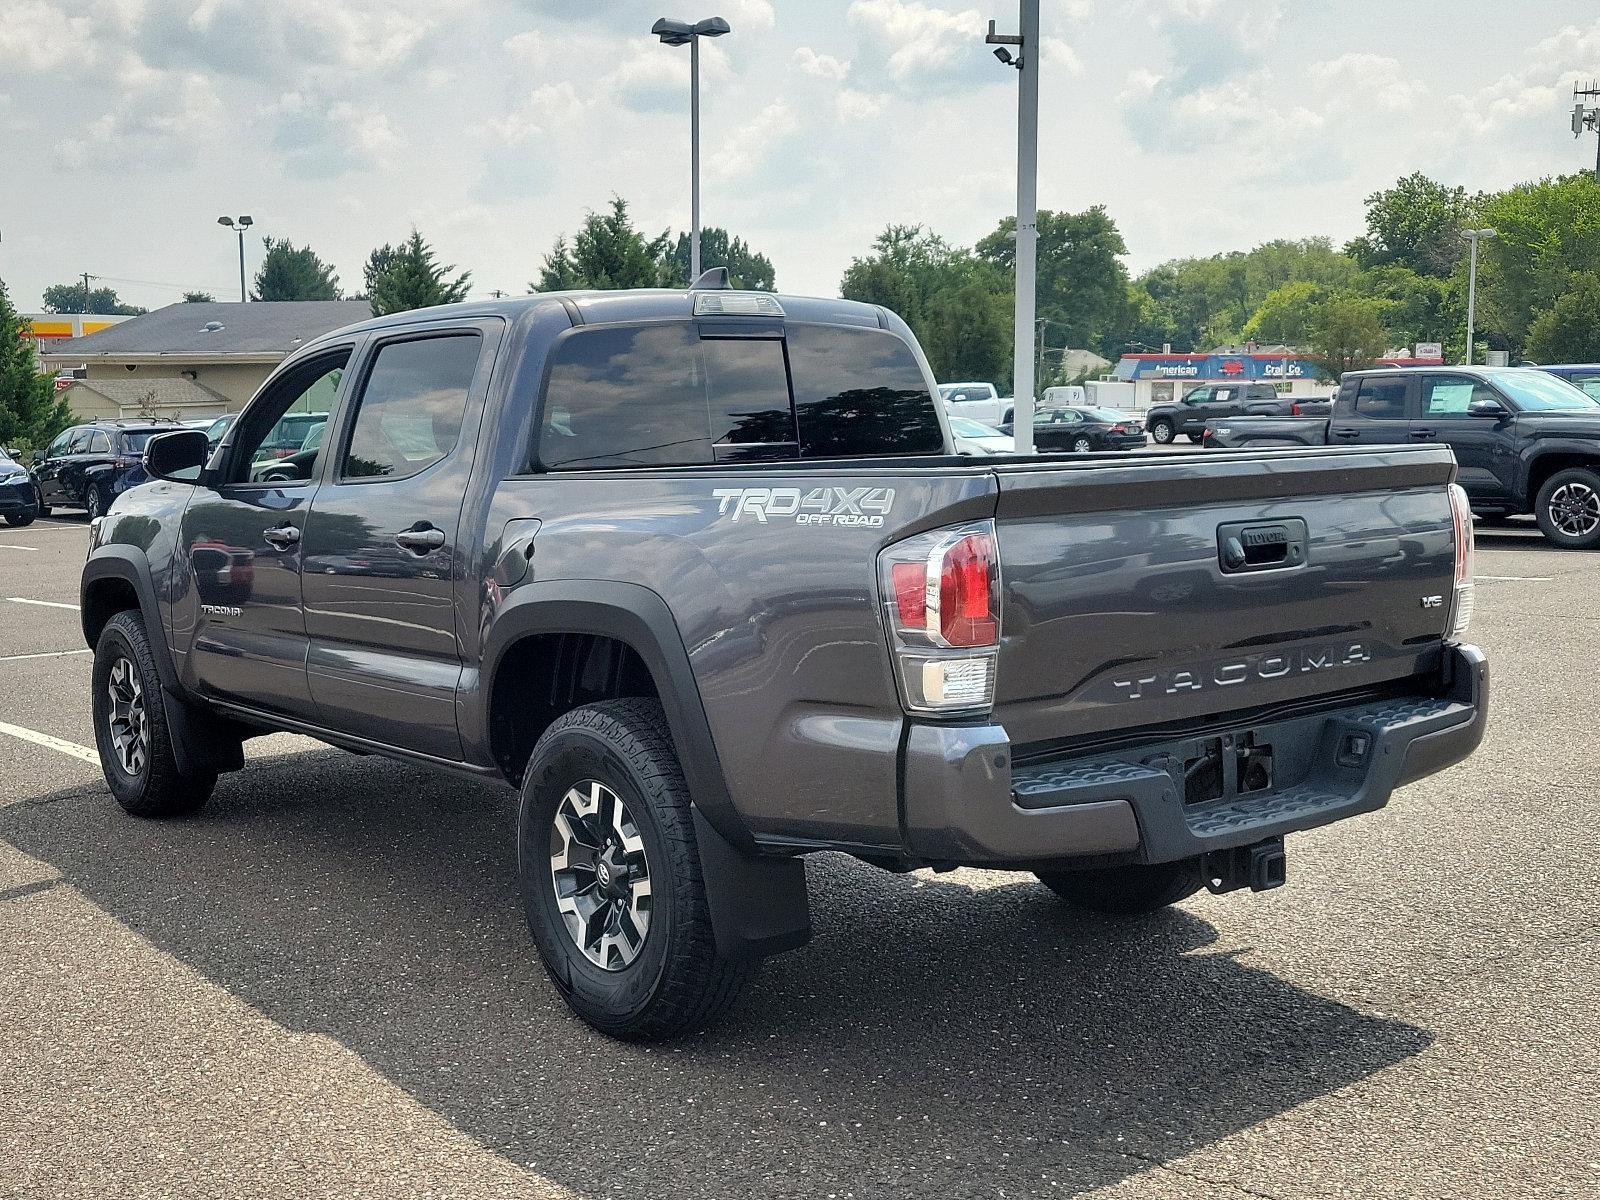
(1082, 445)
(610, 875)
(95, 502)
(130, 727)
(44, 509)
(18, 519)
(1128, 890)
(1163, 432)
(1568, 509)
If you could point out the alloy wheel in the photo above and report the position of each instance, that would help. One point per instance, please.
(1162, 432)
(93, 504)
(126, 717)
(601, 875)
(1574, 509)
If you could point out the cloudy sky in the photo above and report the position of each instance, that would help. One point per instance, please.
(128, 126)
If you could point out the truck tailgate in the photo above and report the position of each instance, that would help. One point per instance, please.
(1170, 589)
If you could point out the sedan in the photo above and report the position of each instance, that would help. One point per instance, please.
(1084, 430)
(19, 493)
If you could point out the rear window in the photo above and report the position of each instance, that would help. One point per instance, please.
(1384, 399)
(663, 395)
(133, 440)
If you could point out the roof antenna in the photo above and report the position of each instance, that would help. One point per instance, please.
(716, 279)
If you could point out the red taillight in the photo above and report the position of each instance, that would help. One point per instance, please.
(910, 592)
(1294, 410)
(966, 615)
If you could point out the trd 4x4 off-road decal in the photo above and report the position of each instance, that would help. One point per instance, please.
(820, 506)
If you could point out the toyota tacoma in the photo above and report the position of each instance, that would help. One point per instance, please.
(698, 574)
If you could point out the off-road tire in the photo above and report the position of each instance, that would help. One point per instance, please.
(1164, 432)
(1574, 481)
(678, 982)
(1128, 890)
(160, 789)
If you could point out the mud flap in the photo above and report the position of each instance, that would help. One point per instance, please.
(758, 905)
(202, 742)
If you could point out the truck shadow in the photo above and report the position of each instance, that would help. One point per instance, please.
(932, 1037)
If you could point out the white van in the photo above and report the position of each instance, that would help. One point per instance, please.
(1069, 396)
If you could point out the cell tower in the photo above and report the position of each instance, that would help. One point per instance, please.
(1587, 116)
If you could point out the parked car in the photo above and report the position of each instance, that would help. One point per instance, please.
(298, 465)
(217, 428)
(288, 436)
(19, 493)
(978, 401)
(1212, 401)
(1083, 430)
(976, 438)
(1584, 376)
(697, 573)
(90, 465)
(1526, 440)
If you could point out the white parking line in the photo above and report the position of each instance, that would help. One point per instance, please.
(52, 743)
(1515, 578)
(50, 654)
(42, 603)
(9, 546)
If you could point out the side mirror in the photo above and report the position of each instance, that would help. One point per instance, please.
(177, 456)
(1486, 408)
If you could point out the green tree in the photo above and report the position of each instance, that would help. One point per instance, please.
(1548, 231)
(199, 298)
(746, 268)
(1348, 335)
(969, 327)
(1417, 223)
(376, 266)
(1083, 284)
(606, 253)
(1568, 330)
(1413, 307)
(289, 272)
(414, 280)
(30, 412)
(68, 298)
(1287, 315)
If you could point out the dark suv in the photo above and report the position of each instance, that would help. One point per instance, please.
(90, 465)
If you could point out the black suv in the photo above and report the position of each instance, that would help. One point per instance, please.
(19, 495)
(90, 465)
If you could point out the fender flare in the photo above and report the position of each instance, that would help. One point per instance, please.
(1566, 447)
(636, 615)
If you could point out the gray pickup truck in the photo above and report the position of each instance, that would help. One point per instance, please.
(697, 573)
(1525, 440)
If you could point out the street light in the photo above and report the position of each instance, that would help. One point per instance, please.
(1026, 62)
(681, 33)
(240, 226)
(1473, 236)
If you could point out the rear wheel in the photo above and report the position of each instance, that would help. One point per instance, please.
(1127, 890)
(1163, 431)
(44, 509)
(1568, 509)
(130, 727)
(611, 881)
(1197, 438)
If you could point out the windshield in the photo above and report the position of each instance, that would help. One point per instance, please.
(1535, 391)
(967, 428)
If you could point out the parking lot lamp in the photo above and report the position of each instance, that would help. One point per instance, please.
(1026, 61)
(681, 33)
(1473, 236)
(239, 226)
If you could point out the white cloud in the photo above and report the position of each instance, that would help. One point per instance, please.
(35, 36)
(858, 106)
(822, 66)
(922, 37)
(749, 146)
(1058, 55)
(749, 14)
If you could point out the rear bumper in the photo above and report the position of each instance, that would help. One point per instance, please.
(963, 802)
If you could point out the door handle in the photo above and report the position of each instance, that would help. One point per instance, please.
(1423, 435)
(283, 536)
(420, 541)
(1347, 434)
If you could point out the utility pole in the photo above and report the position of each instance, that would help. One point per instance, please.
(86, 278)
(1587, 116)
(1027, 64)
(1473, 236)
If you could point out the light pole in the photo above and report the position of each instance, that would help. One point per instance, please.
(681, 33)
(239, 226)
(1027, 64)
(1473, 236)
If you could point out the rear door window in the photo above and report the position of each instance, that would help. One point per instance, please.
(1381, 399)
(411, 408)
(99, 443)
(1450, 395)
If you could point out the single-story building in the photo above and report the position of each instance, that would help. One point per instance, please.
(1161, 378)
(188, 361)
(49, 330)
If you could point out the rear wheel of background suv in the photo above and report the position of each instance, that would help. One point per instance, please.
(610, 873)
(1163, 431)
(1568, 509)
(1127, 890)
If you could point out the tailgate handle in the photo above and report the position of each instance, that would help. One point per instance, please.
(1261, 545)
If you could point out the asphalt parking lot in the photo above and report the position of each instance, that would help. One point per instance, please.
(322, 986)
